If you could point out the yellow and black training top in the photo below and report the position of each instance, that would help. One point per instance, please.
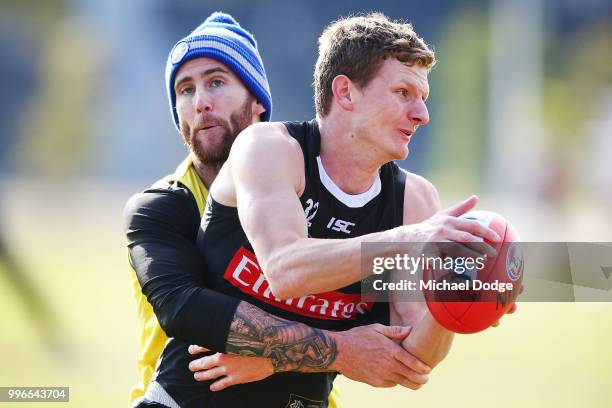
(161, 226)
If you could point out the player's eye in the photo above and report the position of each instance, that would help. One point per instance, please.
(187, 90)
(216, 83)
(403, 92)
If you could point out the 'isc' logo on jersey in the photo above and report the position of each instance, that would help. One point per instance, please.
(340, 225)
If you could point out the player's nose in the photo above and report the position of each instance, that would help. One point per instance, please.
(203, 102)
(419, 114)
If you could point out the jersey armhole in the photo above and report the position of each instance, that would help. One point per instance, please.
(399, 178)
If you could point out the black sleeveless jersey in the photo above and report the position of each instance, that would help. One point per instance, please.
(231, 267)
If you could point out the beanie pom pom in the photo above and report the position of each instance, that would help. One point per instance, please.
(220, 17)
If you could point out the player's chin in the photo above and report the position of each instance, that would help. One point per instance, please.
(211, 152)
(401, 152)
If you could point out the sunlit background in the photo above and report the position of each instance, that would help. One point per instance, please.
(521, 114)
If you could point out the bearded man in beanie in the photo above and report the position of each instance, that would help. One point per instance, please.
(217, 87)
(162, 221)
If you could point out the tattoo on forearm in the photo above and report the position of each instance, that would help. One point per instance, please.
(290, 345)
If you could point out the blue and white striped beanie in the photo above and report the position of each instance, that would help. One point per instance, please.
(221, 38)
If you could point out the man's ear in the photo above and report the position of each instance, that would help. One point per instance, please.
(258, 109)
(343, 89)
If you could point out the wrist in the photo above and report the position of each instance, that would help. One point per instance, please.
(429, 341)
(340, 341)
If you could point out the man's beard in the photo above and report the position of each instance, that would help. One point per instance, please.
(239, 120)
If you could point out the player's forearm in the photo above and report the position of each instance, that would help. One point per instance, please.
(429, 341)
(291, 346)
(191, 314)
(309, 266)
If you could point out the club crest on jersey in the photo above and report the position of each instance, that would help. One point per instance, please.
(310, 206)
(244, 273)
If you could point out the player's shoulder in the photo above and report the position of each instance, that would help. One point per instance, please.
(421, 198)
(163, 192)
(267, 138)
(164, 200)
(419, 184)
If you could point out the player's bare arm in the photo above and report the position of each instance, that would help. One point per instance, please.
(273, 219)
(289, 345)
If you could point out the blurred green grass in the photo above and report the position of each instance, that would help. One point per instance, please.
(546, 355)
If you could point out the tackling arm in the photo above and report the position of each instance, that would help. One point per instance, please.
(161, 226)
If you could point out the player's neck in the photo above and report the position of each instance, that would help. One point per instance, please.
(207, 172)
(348, 164)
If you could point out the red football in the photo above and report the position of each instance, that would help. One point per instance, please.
(471, 311)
